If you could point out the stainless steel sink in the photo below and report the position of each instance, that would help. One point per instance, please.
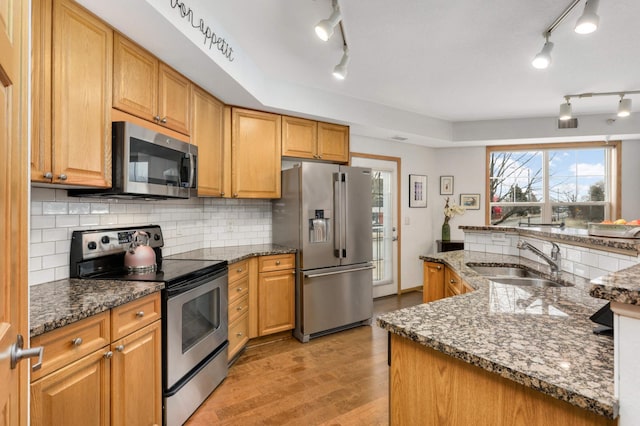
(527, 282)
(508, 271)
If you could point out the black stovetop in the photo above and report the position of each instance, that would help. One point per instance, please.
(171, 271)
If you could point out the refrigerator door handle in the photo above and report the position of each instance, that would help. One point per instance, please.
(324, 274)
(338, 221)
(345, 211)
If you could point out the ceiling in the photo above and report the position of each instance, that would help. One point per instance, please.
(454, 61)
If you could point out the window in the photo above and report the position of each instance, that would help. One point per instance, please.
(571, 183)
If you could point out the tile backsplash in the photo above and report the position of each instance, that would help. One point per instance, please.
(186, 225)
(582, 261)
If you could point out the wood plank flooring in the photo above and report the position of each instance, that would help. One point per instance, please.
(339, 379)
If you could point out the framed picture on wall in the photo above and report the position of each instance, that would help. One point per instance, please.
(470, 201)
(446, 185)
(417, 191)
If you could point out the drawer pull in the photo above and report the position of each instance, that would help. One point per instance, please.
(240, 289)
(239, 308)
(77, 341)
(140, 314)
(120, 348)
(239, 335)
(277, 262)
(439, 267)
(452, 281)
(239, 270)
(108, 355)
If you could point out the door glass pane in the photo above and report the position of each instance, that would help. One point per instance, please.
(200, 316)
(382, 224)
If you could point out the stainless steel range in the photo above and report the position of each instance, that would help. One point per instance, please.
(194, 310)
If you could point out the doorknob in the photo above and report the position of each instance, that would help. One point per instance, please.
(394, 238)
(18, 354)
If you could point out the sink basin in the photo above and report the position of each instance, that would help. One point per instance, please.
(508, 271)
(528, 282)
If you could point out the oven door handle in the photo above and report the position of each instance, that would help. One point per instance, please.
(191, 284)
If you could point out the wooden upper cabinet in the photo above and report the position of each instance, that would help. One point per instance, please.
(149, 89)
(333, 142)
(299, 137)
(207, 132)
(304, 138)
(72, 73)
(255, 154)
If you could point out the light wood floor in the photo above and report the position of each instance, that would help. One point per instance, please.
(339, 379)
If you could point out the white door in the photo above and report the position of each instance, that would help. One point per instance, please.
(384, 215)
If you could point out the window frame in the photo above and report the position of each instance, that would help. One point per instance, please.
(615, 176)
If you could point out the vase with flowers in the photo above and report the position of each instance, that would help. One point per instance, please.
(449, 212)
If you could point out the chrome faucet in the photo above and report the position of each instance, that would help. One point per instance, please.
(554, 260)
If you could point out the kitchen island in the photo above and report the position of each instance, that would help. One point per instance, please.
(501, 354)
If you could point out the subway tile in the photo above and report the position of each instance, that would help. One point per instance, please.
(42, 194)
(89, 220)
(54, 207)
(608, 263)
(43, 222)
(36, 207)
(99, 208)
(41, 276)
(35, 263)
(43, 249)
(35, 236)
(55, 261)
(67, 220)
(79, 208)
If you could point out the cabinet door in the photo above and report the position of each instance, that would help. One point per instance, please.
(77, 394)
(82, 76)
(135, 79)
(207, 132)
(276, 302)
(299, 137)
(41, 91)
(174, 98)
(433, 285)
(333, 142)
(255, 154)
(136, 378)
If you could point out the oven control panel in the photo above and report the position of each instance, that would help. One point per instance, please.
(102, 242)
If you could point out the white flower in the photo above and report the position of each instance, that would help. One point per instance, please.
(451, 211)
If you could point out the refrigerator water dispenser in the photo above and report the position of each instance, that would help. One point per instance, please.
(319, 226)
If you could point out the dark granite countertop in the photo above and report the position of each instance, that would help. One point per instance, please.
(622, 286)
(234, 253)
(568, 235)
(58, 303)
(540, 338)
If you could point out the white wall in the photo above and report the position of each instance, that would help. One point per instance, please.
(186, 225)
(631, 179)
(417, 237)
(467, 166)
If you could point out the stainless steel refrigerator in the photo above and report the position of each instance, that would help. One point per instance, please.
(325, 213)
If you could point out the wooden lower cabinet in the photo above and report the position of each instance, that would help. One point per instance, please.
(136, 378)
(117, 383)
(276, 294)
(77, 394)
(440, 281)
(238, 307)
(427, 387)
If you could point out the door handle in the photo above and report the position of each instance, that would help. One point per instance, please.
(394, 238)
(18, 354)
(324, 274)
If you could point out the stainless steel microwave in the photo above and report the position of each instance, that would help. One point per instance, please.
(148, 164)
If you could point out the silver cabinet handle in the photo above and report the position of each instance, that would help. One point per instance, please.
(240, 289)
(62, 177)
(18, 354)
(77, 341)
(120, 348)
(164, 120)
(108, 355)
(439, 267)
(156, 118)
(140, 314)
(277, 262)
(239, 308)
(239, 334)
(48, 175)
(452, 281)
(222, 194)
(239, 270)
(235, 195)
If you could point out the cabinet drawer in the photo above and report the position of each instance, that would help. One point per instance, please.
(238, 288)
(238, 308)
(238, 270)
(134, 315)
(276, 262)
(71, 342)
(452, 279)
(238, 335)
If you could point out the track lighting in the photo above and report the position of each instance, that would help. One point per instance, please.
(543, 59)
(324, 29)
(565, 111)
(588, 22)
(624, 105)
(340, 70)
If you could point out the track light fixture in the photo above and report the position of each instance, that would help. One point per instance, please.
(324, 28)
(587, 23)
(624, 105)
(340, 70)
